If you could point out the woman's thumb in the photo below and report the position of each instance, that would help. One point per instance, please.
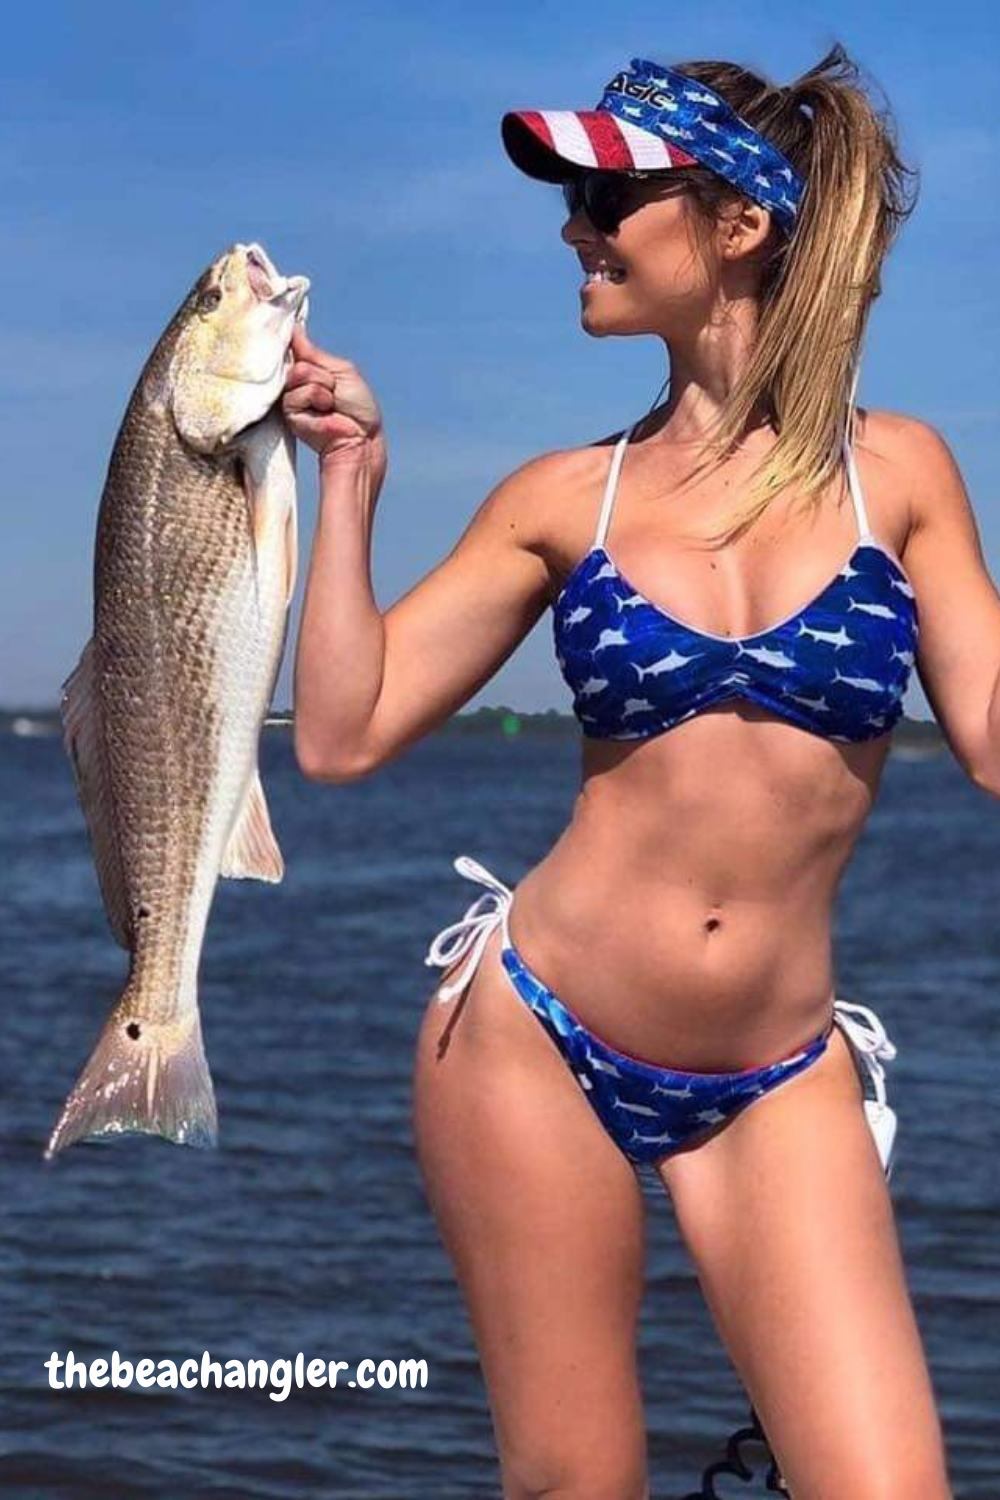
(304, 348)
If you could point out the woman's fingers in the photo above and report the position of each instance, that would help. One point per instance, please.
(309, 397)
(327, 400)
(302, 372)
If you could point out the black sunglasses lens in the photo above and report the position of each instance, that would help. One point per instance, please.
(600, 195)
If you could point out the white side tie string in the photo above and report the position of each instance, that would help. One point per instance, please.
(472, 933)
(869, 1036)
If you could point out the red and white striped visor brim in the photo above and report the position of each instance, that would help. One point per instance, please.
(544, 142)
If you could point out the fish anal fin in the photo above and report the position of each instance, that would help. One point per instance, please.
(83, 737)
(252, 852)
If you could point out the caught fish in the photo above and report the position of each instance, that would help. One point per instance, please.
(194, 568)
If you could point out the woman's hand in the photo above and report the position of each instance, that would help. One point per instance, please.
(327, 402)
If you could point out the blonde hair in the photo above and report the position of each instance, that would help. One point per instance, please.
(820, 280)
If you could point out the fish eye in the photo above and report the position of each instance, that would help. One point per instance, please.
(209, 299)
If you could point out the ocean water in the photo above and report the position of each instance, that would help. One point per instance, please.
(308, 1229)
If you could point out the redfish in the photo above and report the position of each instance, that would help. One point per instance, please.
(194, 568)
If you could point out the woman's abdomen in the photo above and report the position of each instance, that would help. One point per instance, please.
(670, 966)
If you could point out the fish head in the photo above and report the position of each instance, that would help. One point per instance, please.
(233, 346)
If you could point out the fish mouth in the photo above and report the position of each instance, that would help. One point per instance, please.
(269, 285)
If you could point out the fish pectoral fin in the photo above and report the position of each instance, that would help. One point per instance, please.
(268, 479)
(83, 737)
(291, 552)
(252, 852)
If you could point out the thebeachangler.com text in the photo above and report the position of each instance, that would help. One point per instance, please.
(69, 1373)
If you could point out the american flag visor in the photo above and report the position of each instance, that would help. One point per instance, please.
(651, 118)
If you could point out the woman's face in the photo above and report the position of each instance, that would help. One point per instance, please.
(666, 280)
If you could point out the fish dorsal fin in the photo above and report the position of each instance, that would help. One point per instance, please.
(252, 852)
(83, 736)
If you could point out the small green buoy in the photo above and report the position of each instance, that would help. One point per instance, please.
(510, 724)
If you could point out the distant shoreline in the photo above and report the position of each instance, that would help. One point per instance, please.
(33, 723)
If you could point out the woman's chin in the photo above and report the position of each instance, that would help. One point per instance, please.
(598, 323)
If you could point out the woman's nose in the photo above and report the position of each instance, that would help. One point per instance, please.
(577, 229)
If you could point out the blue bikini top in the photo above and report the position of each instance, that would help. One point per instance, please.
(837, 667)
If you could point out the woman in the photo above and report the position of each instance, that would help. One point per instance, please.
(680, 926)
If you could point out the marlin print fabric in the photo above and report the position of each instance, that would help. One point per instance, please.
(652, 118)
(647, 1110)
(693, 117)
(838, 667)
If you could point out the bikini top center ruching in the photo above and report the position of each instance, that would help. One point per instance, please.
(838, 666)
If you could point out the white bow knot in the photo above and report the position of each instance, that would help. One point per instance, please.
(869, 1037)
(471, 934)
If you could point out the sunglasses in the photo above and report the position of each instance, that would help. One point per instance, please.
(608, 197)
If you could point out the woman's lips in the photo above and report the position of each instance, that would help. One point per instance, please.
(592, 281)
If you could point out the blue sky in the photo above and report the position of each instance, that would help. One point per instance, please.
(361, 146)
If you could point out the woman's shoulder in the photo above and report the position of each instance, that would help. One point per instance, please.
(908, 443)
(562, 463)
(896, 436)
(909, 458)
(544, 482)
(550, 500)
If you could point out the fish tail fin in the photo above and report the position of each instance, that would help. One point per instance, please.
(144, 1076)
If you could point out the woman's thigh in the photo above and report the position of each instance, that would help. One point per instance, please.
(787, 1215)
(543, 1220)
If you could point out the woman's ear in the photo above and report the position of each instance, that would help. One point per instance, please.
(744, 227)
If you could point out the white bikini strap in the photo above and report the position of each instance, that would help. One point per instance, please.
(869, 1037)
(612, 485)
(473, 931)
(853, 478)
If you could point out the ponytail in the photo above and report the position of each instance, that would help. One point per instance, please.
(820, 279)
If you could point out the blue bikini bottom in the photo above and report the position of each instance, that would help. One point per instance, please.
(649, 1111)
